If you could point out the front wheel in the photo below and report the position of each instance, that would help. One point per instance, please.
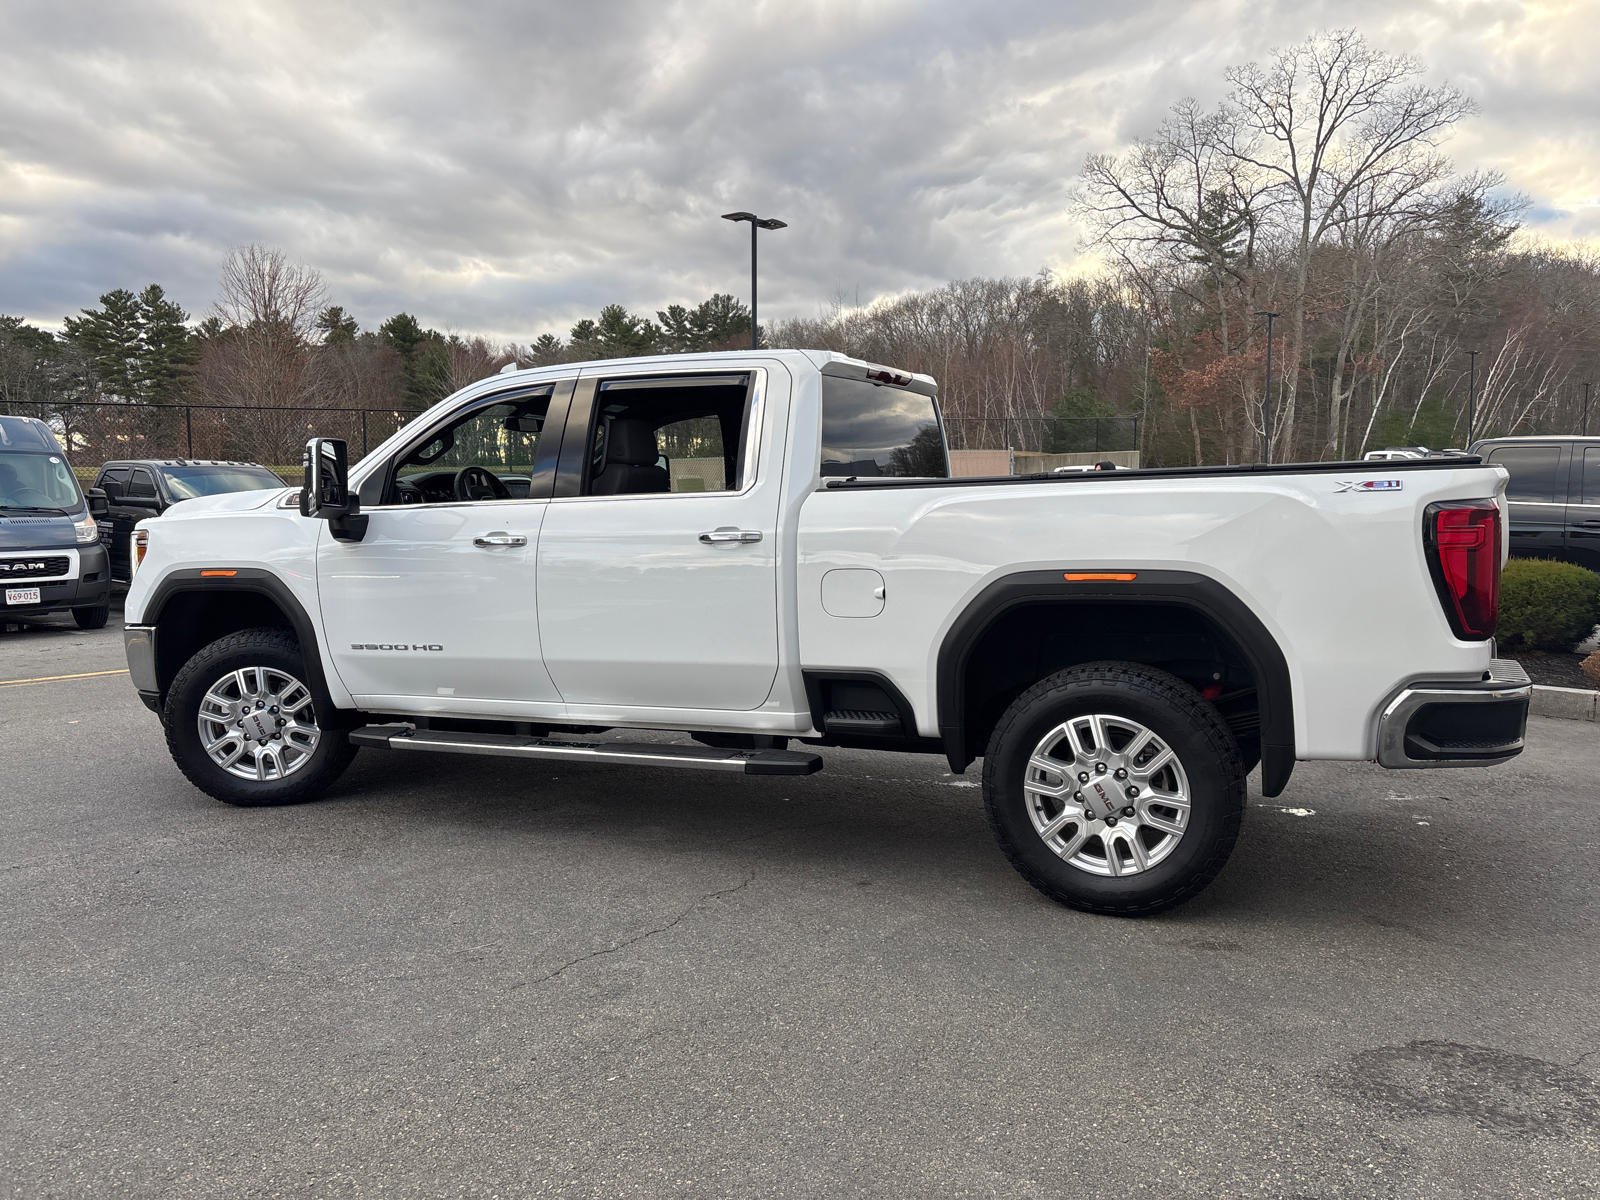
(1114, 788)
(94, 617)
(243, 725)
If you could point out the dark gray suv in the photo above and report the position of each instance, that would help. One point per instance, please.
(1554, 494)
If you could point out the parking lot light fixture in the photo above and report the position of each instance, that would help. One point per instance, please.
(755, 224)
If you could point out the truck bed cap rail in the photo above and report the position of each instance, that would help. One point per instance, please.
(1323, 468)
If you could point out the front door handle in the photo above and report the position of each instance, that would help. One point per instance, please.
(730, 535)
(499, 539)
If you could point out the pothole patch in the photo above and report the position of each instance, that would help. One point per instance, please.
(1507, 1094)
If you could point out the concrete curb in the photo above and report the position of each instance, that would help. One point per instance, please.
(1575, 704)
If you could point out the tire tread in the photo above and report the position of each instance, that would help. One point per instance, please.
(1205, 719)
(309, 782)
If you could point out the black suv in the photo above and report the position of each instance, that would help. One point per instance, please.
(137, 488)
(50, 553)
(1554, 494)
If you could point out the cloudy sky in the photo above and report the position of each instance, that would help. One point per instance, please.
(506, 168)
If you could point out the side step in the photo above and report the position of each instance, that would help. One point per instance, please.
(641, 754)
(881, 723)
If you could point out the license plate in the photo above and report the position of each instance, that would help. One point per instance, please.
(22, 595)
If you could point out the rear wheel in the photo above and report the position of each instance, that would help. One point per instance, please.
(244, 726)
(92, 618)
(1114, 788)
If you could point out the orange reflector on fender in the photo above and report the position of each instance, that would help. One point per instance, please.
(205, 574)
(1100, 576)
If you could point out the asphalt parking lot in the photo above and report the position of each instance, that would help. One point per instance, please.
(460, 976)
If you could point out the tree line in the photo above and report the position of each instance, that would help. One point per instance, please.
(1400, 288)
(273, 340)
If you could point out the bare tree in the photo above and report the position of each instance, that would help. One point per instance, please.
(1344, 134)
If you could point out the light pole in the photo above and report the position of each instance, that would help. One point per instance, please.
(1472, 394)
(1585, 410)
(755, 224)
(1266, 405)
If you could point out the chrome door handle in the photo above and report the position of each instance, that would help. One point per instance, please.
(499, 539)
(730, 535)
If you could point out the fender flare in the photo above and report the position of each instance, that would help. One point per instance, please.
(245, 579)
(1185, 589)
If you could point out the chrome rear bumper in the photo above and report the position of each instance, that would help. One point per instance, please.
(1473, 723)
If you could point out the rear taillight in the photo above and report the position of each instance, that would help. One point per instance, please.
(1463, 542)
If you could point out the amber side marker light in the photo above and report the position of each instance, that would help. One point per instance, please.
(226, 574)
(1100, 576)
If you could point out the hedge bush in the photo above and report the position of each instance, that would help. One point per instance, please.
(1546, 605)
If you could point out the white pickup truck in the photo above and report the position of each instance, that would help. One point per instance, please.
(761, 547)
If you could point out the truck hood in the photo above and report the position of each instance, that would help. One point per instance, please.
(37, 531)
(226, 502)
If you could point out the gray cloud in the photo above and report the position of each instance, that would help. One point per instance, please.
(509, 167)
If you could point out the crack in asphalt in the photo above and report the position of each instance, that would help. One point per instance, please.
(648, 933)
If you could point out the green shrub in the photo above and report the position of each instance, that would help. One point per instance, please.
(1546, 605)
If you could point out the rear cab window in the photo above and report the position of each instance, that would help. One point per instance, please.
(872, 429)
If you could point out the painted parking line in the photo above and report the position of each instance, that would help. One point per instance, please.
(55, 678)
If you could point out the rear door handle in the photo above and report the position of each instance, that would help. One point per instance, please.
(499, 539)
(730, 535)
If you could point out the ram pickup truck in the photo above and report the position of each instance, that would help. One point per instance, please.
(761, 548)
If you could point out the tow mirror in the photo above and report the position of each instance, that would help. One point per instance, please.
(99, 505)
(325, 494)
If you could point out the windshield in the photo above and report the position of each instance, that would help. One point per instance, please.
(869, 429)
(37, 481)
(186, 483)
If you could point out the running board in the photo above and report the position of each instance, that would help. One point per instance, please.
(640, 754)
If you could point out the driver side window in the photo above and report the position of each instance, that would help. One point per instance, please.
(487, 454)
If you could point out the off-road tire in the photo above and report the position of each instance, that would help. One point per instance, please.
(265, 647)
(1188, 724)
(94, 617)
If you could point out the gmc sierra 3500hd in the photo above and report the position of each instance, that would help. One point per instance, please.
(761, 546)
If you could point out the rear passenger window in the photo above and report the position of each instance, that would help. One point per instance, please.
(1591, 475)
(672, 434)
(1533, 472)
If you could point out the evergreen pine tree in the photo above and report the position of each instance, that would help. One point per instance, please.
(109, 337)
(337, 326)
(167, 350)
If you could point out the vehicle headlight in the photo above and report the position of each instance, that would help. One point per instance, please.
(88, 530)
(141, 543)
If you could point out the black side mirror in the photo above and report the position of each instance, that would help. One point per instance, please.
(325, 494)
(111, 490)
(99, 505)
